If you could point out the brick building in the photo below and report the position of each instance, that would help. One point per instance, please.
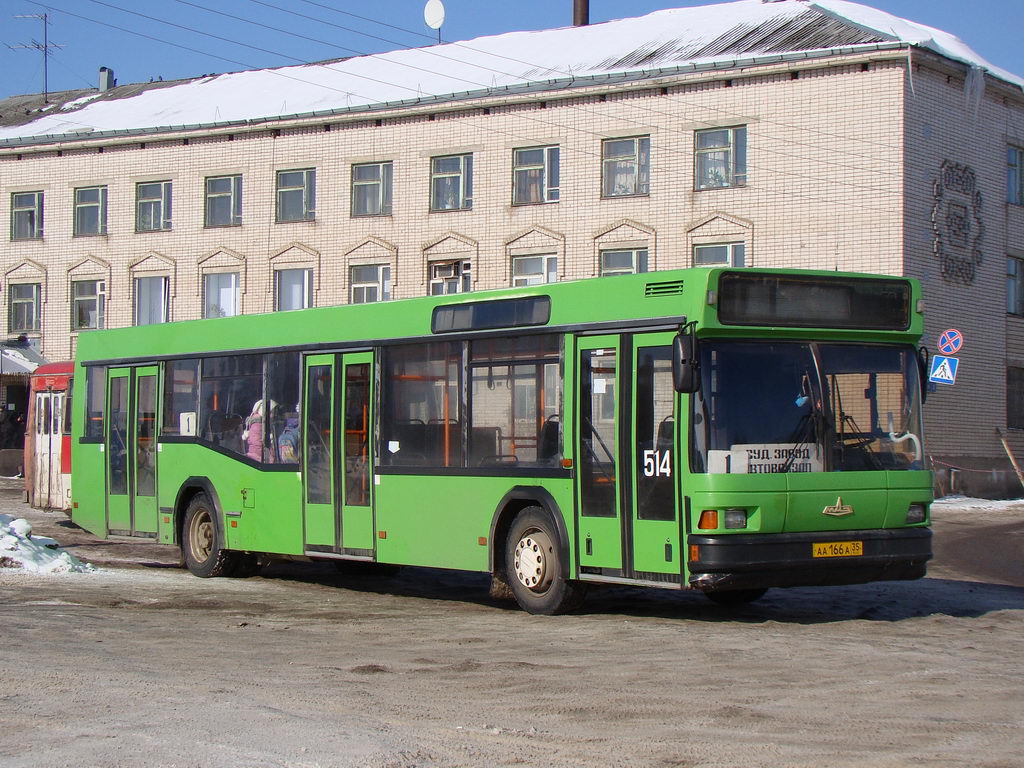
(771, 134)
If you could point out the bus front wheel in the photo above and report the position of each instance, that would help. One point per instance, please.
(534, 567)
(201, 541)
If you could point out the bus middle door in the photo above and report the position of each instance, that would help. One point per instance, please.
(131, 451)
(338, 472)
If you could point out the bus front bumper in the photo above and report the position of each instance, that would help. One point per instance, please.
(752, 561)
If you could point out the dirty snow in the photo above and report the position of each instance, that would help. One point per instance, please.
(36, 554)
(968, 504)
(510, 60)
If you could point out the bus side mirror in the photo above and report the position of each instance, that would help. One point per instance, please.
(685, 368)
(922, 367)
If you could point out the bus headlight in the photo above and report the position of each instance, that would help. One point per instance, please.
(917, 513)
(735, 518)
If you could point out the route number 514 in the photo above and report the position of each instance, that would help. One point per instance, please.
(658, 463)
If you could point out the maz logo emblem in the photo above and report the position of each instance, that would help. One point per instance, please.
(838, 509)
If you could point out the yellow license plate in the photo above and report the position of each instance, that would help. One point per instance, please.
(837, 548)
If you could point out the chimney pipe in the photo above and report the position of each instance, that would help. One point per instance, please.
(107, 80)
(580, 13)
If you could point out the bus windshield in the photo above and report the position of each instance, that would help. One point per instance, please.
(769, 407)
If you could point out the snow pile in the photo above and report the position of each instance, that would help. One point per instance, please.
(38, 554)
(967, 503)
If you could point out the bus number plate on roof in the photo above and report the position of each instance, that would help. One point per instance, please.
(837, 548)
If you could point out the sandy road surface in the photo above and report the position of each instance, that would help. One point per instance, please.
(147, 665)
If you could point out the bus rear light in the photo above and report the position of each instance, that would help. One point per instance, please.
(708, 520)
(917, 513)
(566, 463)
(735, 518)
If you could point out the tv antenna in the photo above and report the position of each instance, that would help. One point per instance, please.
(43, 47)
(433, 15)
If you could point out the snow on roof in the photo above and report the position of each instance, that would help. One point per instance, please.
(627, 48)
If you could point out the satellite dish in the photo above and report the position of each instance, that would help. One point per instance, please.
(433, 14)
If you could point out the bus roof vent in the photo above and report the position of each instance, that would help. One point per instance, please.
(667, 288)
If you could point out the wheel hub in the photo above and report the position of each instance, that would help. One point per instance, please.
(532, 561)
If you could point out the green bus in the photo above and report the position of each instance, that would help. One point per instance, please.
(723, 430)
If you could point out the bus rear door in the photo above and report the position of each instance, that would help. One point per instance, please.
(130, 447)
(627, 458)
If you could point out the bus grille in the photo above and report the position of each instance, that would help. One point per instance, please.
(669, 288)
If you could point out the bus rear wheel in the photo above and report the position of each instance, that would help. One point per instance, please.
(534, 567)
(201, 541)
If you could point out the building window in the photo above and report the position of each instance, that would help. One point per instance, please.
(151, 300)
(450, 277)
(1014, 286)
(370, 282)
(451, 183)
(293, 289)
(1015, 398)
(1015, 175)
(626, 166)
(153, 206)
(534, 270)
(88, 304)
(720, 255)
(371, 189)
(26, 215)
(90, 211)
(223, 201)
(535, 175)
(296, 195)
(220, 291)
(628, 261)
(720, 158)
(23, 307)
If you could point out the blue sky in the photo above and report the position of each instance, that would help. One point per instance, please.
(991, 27)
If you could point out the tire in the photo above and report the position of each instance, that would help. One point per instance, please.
(201, 541)
(534, 567)
(735, 596)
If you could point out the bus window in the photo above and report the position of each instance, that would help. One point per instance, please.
(514, 405)
(181, 397)
(283, 381)
(231, 400)
(421, 422)
(96, 385)
(67, 407)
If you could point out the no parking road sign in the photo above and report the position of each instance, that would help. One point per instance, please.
(950, 342)
(944, 369)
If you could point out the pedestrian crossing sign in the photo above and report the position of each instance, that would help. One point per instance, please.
(944, 369)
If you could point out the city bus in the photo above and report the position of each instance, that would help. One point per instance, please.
(48, 437)
(720, 430)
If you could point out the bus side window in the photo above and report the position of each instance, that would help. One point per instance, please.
(95, 405)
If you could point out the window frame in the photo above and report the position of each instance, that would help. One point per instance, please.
(164, 199)
(1015, 175)
(465, 181)
(14, 301)
(307, 288)
(732, 247)
(550, 266)
(735, 150)
(1014, 397)
(551, 160)
(639, 257)
(234, 195)
(308, 189)
(385, 183)
(165, 311)
(236, 279)
(99, 295)
(382, 284)
(462, 275)
(33, 212)
(640, 158)
(101, 211)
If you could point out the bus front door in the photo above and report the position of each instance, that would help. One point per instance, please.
(48, 492)
(627, 459)
(338, 471)
(130, 447)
